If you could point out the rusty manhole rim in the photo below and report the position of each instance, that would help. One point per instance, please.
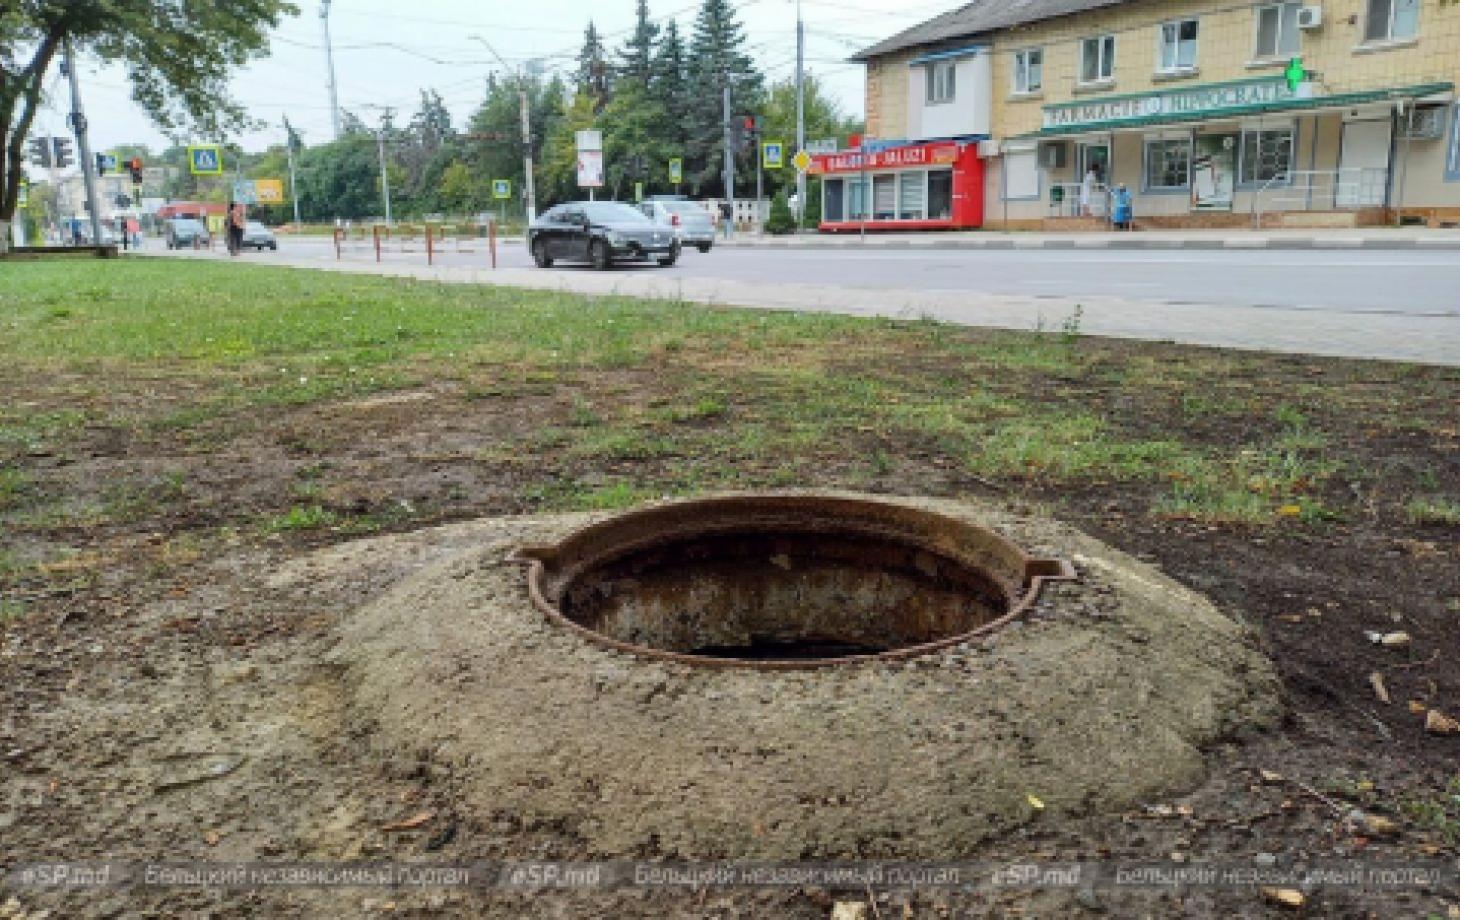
(1035, 572)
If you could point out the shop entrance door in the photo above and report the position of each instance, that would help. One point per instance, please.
(1363, 168)
(1095, 154)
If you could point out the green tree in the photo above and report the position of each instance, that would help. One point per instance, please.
(179, 57)
(669, 85)
(492, 146)
(634, 144)
(824, 118)
(780, 221)
(460, 191)
(559, 173)
(595, 76)
(717, 59)
(340, 179)
(636, 59)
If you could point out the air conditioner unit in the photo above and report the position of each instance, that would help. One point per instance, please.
(1310, 17)
(1052, 155)
(1428, 123)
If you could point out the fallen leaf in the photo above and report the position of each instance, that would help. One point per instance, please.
(411, 823)
(1395, 639)
(1379, 826)
(1289, 510)
(1287, 897)
(1035, 802)
(1437, 723)
(1269, 776)
(1418, 708)
(1376, 680)
(211, 838)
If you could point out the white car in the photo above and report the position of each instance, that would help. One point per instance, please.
(693, 224)
(257, 236)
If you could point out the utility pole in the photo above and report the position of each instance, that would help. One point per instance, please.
(293, 180)
(729, 157)
(83, 147)
(800, 116)
(520, 74)
(329, 60)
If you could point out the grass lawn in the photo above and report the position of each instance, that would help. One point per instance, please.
(157, 414)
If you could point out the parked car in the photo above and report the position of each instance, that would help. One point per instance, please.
(259, 237)
(599, 232)
(692, 222)
(186, 231)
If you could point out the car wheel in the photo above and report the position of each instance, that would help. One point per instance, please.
(703, 247)
(599, 255)
(670, 259)
(273, 247)
(540, 254)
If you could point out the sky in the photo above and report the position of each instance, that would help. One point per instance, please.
(386, 51)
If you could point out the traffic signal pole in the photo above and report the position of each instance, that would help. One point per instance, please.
(729, 158)
(83, 147)
(800, 116)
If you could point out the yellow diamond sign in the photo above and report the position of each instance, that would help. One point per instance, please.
(802, 160)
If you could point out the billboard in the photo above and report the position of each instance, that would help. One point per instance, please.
(590, 169)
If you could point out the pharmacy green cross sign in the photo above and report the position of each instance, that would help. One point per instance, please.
(1295, 73)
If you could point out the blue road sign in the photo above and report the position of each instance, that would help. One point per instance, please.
(773, 154)
(206, 160)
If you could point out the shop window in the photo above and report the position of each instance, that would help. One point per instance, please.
(1277, 30)
(1021, 175)
(833, 200)
(884, 197)
(1266, 155)
(1168, 163)
(942, 81)
(1029, 70)
(1097, 59)
(857, 199)
(1452, 157)
(940, 194)
(1178, 45)
(910, 195)
(1392, 20)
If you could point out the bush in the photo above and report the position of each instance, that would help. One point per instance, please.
(781, 220)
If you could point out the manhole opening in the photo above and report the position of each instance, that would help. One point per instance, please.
(783, 580)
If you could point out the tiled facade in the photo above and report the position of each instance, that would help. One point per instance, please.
(1342, 162)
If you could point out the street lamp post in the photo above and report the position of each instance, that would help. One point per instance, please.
(521, 77)
(384, 170)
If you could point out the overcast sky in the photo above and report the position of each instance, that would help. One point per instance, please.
(385, 51)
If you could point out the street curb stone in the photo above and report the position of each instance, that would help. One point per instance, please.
(1134, 243)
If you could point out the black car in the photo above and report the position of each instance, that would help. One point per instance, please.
(599, 232)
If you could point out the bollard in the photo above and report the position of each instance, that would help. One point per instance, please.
(430, 254)
(375, 232)
(492, 241)
(337, 234)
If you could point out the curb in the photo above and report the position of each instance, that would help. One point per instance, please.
(1077, 243)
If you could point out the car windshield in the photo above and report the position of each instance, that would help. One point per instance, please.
(256, 226)
(684, 207)
(613, 212)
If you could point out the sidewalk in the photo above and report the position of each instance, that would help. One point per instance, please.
(1381, 238)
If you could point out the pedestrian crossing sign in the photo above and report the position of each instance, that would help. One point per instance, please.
(773, 154)
(676, 171)
(501, 189)
(205, 160)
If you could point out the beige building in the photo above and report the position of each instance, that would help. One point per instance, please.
(1206, 112)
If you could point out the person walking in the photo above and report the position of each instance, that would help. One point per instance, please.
(236, 221)
(1087, 189)
(727, 218)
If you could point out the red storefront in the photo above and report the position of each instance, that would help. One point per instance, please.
(934, 186)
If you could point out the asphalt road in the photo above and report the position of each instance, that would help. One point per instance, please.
(1388, 304)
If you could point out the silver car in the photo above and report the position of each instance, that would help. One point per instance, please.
(257, 236)
(692, 222)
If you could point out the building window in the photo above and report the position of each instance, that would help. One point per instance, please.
(1277, 30)
(910, 195)
(884, 197)
(940, 194)
(1452, 159)
(1392, 20)
(1168, 163)
(1097, 59)
(833, 200)
(1021, 175)
(1029, 70)
(1178, 45)
(1265, 156)
(941, 77)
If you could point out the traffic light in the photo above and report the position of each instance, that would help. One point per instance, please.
(40, 151)
(63, 153)
(134, 166)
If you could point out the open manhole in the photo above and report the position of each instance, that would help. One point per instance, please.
(783, 581)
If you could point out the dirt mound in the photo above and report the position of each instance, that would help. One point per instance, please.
(1101, 698)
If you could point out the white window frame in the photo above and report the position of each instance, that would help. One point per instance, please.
(1389, 35)
(1022, 69)
(1277, 53)
(1186, 137)
(942, 79)
(1452, 153)
(1032, 152)
(1291, 130)
(1161, 45)
(1102, 77)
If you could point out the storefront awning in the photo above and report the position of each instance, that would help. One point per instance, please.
(1294, 104)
